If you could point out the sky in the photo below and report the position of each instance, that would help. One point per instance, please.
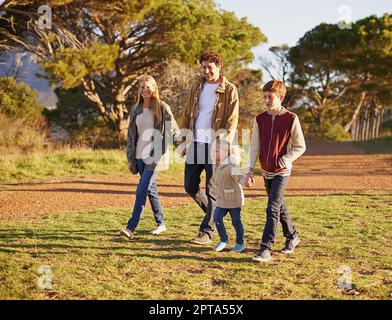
(286, 21)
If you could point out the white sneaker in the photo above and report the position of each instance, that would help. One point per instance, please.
(159, 229)
(220, 246)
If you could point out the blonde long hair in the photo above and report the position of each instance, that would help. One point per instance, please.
(155, 100)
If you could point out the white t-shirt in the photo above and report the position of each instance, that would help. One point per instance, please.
(207, 101)
(144, 124)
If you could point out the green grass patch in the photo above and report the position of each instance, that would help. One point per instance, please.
(66, 164)
(379, 145)
(89, 261)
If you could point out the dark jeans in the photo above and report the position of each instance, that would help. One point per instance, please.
(146, 187)
(235, 214)
(276, 211)
(198, 159)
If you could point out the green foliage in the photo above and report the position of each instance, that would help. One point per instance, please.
(80, 118)
(70, 66)
(210, 28)
(332, 132)
(248, 82)
(106, 45)
(93, 133)
(19, 100)
(71, 103)
(386, 128)
(22, 125)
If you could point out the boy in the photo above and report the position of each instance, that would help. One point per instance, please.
(277, 140)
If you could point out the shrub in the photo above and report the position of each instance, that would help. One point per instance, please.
(19, 136)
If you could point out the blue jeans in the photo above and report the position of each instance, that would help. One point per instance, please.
(146, 186)
(198, 160)
(276, 211)
(235, 214)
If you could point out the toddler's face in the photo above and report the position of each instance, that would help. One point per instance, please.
(220, 153)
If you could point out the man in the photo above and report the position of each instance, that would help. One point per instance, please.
(213, 105)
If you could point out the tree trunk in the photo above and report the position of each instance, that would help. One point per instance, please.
(122, 132)
(356, 112)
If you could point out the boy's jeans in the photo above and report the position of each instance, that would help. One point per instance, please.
(276, 211)
(199, 159)
(235, 214)
(146, 186)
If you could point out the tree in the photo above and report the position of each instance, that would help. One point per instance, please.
(339, 72)
(106, 45)
(278, 67)
(248, 82)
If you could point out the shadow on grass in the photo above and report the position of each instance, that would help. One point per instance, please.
(105, 183)
(96, 191)
(12, 243)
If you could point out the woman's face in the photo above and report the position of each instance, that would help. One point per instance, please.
(146, 89)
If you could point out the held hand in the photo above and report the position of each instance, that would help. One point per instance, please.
(130, 167)
(183, 152)
(250, 180)
(181, 149)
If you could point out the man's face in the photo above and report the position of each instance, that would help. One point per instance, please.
(272, 100)
(210, 71)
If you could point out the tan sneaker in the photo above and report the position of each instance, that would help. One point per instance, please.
(126, 233)
(201, 238)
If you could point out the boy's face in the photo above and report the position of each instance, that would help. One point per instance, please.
(272, 100)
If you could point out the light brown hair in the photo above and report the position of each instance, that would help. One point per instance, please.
(275, 86)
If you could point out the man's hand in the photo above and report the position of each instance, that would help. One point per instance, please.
(130, 167)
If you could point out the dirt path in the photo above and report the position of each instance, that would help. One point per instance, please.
(318, 172)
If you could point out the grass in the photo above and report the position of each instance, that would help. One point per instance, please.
(89, 261)
(379, 145)
(68, 163)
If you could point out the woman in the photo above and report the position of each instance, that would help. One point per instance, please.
(151, 122)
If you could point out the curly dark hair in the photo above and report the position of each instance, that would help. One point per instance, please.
(211, 56)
